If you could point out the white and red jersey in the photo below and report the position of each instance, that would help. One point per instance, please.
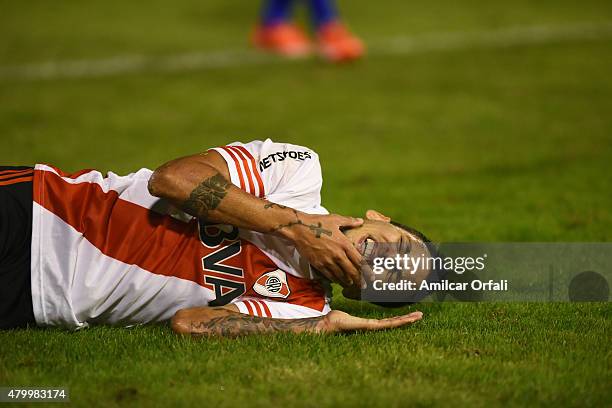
(106, 251)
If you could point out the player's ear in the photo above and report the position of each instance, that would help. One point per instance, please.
(376, 216)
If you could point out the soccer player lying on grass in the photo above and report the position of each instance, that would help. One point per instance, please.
(230, 242)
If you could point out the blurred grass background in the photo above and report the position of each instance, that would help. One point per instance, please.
(508, 143)
(478, 144)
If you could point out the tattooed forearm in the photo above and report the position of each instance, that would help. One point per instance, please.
(206, 196)
(267, 206)
(317, 228)
(235, 324)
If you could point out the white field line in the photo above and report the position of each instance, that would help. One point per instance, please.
(404, 45)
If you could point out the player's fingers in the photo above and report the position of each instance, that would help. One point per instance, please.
(353, 255)
(393, 322)
(327, 274)
(337, 275)
(348, 222)
(358, 323)
(323, 268)
(401, 320)
(349, 271)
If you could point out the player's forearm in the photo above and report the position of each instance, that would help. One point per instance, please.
(220, 322)
(201, 190)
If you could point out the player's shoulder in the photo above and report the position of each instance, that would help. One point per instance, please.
(270, 153)
(263, 148)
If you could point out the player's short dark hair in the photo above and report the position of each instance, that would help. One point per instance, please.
(419, 235)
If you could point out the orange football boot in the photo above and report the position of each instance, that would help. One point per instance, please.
(337, 44)
(286, 39)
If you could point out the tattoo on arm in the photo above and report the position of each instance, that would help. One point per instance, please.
(206, 196)
(236, 324)
(316, 229)
(267, 206)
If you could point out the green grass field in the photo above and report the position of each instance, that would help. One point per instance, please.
(486, 141)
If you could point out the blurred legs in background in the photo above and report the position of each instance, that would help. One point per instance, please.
(277, 32)
(276, 11)
(322, 12)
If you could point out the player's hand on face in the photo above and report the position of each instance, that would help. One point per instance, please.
(393, 238)
(337, 321)
(327, 249)
(388, 234)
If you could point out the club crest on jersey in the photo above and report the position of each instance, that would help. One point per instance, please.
(272, 284)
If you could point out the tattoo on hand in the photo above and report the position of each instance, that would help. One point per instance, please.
(235, 324)
(206, 196)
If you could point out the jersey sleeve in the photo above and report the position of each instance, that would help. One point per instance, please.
(279, 310)
(283, 173)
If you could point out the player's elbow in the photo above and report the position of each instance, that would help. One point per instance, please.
(181, 322)
(161, 181)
